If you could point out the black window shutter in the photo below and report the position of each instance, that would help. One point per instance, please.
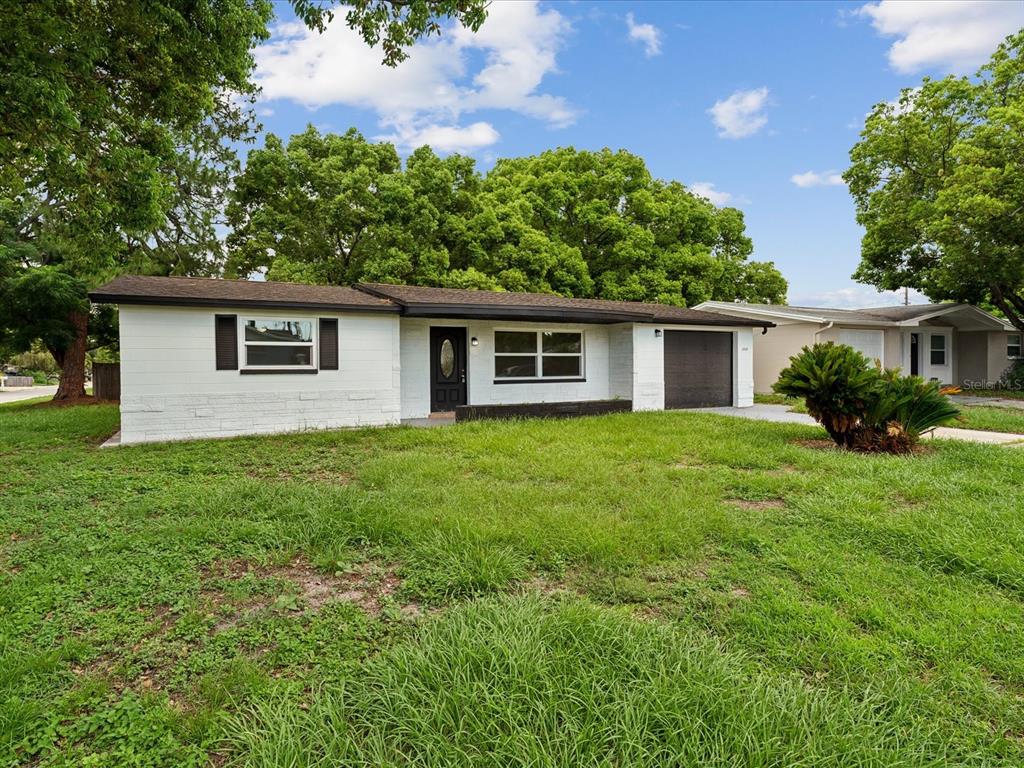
(226, 343)
(328, 344)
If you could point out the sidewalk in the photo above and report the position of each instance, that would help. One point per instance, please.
(782, 414)
(26, 393)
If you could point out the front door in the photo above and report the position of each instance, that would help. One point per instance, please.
(915, 354)
(447, 368)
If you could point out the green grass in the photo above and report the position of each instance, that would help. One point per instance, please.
(635, 589)
(992, 419)
(795, 403)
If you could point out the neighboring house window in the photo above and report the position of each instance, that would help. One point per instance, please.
(938, 350)
(1013, 346)
(538, 355)
(278, 343)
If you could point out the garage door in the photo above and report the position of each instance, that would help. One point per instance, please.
(870, 343)
(698, 369)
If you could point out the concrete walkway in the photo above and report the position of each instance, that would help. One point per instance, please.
(26, 393)
(782, 414)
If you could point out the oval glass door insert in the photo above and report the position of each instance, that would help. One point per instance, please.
(447, 358)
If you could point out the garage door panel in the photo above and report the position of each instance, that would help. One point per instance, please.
(698, 369)
(870, 343)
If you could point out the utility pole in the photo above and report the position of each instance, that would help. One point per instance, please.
(906, 296)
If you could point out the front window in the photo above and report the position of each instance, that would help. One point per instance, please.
(1013, 346)
(278, 343)
(938, 350)
(538, 355)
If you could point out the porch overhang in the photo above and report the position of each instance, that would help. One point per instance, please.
(963, 317)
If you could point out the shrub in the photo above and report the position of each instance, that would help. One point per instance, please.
(1013, 377)
(861, 407)
(835, 381)
(900, 409)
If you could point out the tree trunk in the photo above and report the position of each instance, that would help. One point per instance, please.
(72, 360)
(1009, 303)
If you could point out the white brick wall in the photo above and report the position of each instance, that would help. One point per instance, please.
(648, 369)
(649, 365)
(170, 388)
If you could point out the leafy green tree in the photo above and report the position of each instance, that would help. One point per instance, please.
(598, 224)
(394, 24)
(938, 185)
(116, 141)
(339, 209)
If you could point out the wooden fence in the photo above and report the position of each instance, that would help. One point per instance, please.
(106, 381)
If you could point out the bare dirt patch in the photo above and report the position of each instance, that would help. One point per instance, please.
(824, 444)
(83, 400)
(550, 584)
(739, 592)
(817, 444)
(757, 503)
(368, 584)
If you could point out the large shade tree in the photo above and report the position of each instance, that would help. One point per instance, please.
(116, 142)
(938, 182)
(339, 209)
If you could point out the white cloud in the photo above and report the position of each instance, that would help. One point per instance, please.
(742, 114)
(855, 297)
(706, 189)
(444, 138)
(816, 179)
(954, 36)
(441, 82)
(646, 34)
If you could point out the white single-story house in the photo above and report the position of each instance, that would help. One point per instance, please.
(951, 343)
(207, 357)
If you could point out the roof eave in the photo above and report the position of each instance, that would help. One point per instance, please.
(99, 297)
(531, 313)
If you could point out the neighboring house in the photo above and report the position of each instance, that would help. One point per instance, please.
(953, 343)
(206, 357)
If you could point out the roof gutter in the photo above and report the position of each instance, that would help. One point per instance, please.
(820, 331)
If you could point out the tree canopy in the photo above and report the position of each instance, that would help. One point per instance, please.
(339, 209)
(119, 120)
(938, 182)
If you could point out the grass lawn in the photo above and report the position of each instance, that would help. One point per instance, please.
(992, 419)
(660, 589)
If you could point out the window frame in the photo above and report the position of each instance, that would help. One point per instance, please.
(932, 350)
(538, 356)
(1020, 338)
(312, 344)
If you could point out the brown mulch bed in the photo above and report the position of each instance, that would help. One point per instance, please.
(85, 400)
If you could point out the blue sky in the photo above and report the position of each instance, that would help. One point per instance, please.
(755, 105)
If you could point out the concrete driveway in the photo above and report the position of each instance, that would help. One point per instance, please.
(26, 393)
(782, 414)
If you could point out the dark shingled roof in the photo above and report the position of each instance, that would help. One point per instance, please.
(421, 301)
(409, 300)
(206, 291)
